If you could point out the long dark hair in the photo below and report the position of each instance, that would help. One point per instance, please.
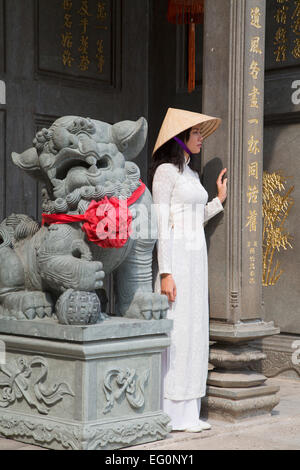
(172, 152)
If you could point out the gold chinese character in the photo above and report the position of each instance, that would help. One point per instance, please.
(253, 121)
(280, 16)
(84, 45)
(84, 9)
(251, 281)
(253, 170)
(101, 14)
(101, 62)
(255, 45)
(252, 194)
(280, 53)
(280, 39)
(100, 46)
(296, 25)
(252, 221)
(252, 251)
(67, 58)
(253, 146)
(296, 13)
(254, 69)
(255, 17)
(84, 23)
(67, 5)
(280, 36)
(296, 50)
(84, 63)
(253, 95)
(66, 40)
(100, 56)
(68, 20)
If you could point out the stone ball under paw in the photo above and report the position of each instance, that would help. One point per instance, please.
(78, 308)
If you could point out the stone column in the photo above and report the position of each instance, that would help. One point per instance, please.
(233, 89)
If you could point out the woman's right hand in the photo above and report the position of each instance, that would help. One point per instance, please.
(168, 287)
(222, 186)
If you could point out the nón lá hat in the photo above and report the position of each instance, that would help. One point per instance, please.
(179, 120)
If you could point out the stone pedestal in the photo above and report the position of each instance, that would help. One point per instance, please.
(74, 387)
(235, 391)
(236, 404)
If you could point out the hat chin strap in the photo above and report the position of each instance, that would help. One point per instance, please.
(182, 145)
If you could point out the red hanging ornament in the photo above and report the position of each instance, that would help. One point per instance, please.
(189, 12)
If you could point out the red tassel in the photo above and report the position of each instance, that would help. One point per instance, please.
(189, 12)
(192, 58)
(185, 11)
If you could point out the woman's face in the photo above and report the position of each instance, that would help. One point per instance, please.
(195, 140)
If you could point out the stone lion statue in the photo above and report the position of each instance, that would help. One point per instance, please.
(85, 165)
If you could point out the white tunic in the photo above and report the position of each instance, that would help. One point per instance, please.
(181, 203)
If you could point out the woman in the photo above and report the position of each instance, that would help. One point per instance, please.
(182, 209)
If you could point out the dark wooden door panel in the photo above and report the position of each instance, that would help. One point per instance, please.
(169, 68)
(106, 80)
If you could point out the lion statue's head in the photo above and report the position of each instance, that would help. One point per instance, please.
(81, 159)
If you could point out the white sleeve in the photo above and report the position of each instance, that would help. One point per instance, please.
(162, 188)
(212, 208)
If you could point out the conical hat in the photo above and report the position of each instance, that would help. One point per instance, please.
(179, 120)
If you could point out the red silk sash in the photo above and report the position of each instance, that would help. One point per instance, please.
(107, 223)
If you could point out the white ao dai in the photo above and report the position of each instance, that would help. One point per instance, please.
(182, 209)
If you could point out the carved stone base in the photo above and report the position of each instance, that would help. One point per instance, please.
(94, 436)
(235, 391)
(234, 404)
(235, 379)
(282, 356)
(241, 332)
(77, 387)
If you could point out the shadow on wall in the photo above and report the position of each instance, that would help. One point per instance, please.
(212, 169)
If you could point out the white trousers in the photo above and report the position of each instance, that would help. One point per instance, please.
(183, 414)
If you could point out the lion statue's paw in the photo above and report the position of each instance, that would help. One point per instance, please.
(31, 303)
(146, 306)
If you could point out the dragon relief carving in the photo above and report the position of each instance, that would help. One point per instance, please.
(85, 166)
(19, 381)
(128, 384)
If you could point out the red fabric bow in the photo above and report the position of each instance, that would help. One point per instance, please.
(107, 223)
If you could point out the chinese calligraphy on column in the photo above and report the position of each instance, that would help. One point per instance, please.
(254, 111)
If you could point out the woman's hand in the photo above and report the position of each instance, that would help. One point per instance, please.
(222, 186)
(168, 287)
